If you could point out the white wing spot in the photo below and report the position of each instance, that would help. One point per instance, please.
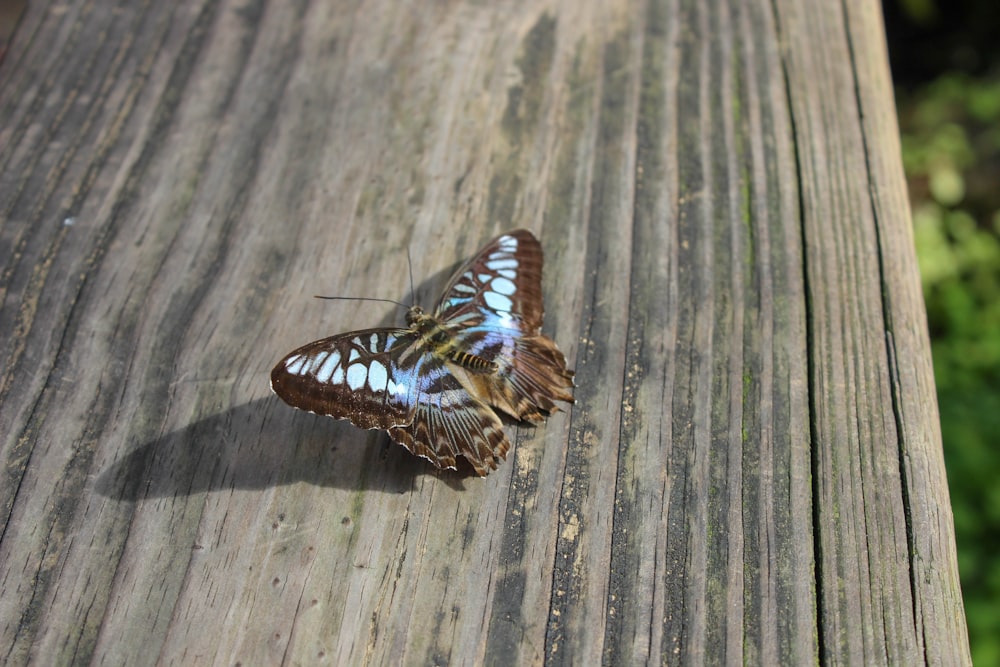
(356, 374)
(354, 352)
(497, 301)
(508, 243)
(315, 362)
(497, 264)
(378, 378)
(374, 342)
(484, 278)
(338, 375)
(325, 371)
(294, 364)
(507, 273)
(462, 287)
(503, 286)
(396, 389)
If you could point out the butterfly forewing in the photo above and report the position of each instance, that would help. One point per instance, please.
(434, 387)
(354, 376)
(502, 282)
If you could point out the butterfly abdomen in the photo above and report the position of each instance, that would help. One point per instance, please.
(473, 363)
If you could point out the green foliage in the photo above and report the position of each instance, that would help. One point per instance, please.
(951, 152)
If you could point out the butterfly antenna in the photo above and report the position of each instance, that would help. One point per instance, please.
(409, 267)
(360, 298)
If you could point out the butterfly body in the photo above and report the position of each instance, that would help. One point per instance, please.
(438, 340)
(435, 385)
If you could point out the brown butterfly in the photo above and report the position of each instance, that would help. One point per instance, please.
(436, 385)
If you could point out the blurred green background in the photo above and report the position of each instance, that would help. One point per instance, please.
(945, 60)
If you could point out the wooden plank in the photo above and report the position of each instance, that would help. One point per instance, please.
(752, 470)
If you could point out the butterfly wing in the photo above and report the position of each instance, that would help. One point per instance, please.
(493, 307)
(449, 422)
(387, 379)
(355, 376)
(502, 281)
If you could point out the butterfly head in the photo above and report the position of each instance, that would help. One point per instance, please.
(415, 315)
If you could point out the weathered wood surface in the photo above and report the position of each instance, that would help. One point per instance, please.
(751, 473)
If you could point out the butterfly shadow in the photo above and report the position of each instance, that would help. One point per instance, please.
(262, 444)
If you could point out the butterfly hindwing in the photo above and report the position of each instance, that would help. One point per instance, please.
(449, 422)
(434, 386)
(531, 372)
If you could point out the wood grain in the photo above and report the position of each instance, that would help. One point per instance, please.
(751, 473)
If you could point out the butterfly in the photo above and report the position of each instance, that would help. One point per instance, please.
(437, 385)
